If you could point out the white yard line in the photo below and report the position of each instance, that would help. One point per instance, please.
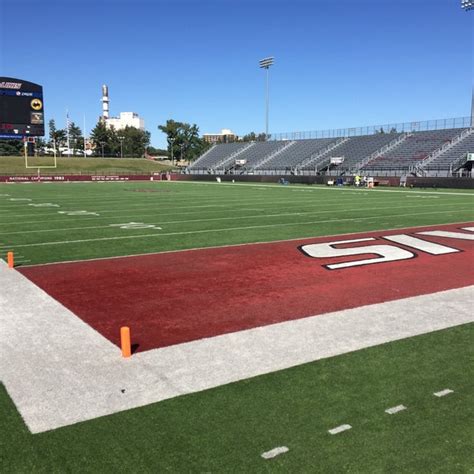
(210, 219)
(227, 229)
(228, 207)
(59, 371)
(191, 249)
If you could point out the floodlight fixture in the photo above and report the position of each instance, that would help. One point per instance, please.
(467, 4)
(265, 63)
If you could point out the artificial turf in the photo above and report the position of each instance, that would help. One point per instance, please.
(228, 428)
(84, 220)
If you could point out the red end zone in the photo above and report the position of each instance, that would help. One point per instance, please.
(176, 297)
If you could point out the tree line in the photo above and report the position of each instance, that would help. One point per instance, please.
(183, 140)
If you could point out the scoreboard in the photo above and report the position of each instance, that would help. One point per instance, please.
(21, 108)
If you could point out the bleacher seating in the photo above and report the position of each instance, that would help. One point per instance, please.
(217, 154)
(453, 155)
(356, 149)
(413, 150)
(295, 156)
(297, 153)
(258, 152)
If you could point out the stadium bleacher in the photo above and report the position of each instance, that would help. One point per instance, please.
(301, 150)
(357, 148)
(400, 152)
(216, 154)
(454, 155)
(413, 150)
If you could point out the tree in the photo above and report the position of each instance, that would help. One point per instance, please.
(57, 137)
(105, 140)
(183, 140)
(76, 140)
(157, 151)
(134, 141)
(253, 137)
(10, 147)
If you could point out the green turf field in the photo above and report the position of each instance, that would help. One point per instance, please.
(226, 429)
(59, 222)
(16, 165)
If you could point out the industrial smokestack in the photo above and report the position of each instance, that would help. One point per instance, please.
(105, 102)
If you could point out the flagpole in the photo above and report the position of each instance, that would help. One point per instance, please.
(67, 133)
(85, 136)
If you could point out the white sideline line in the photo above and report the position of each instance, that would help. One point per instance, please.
(443, 393)
(316, 188)
(274, 452)
(339, 429)
(226, 229)
(393, 410)
(320, 188)
(59, 371)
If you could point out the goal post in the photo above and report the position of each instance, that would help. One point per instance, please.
(38, 167)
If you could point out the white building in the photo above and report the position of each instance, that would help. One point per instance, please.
(225, 136)
(130, 119)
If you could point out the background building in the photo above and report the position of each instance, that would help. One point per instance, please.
(130, 119)
(225, 136)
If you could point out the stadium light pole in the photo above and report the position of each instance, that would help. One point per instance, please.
(265, 63)
(467, 5)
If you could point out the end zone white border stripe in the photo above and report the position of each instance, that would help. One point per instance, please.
(59, 371)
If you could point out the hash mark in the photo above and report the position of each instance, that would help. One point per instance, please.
(443, 393)
(339, 429)
(393, 410)
(274, 452)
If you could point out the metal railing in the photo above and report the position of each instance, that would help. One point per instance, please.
(415, 126)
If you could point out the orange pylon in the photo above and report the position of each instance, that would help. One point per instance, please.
(125, 341)
(10, 260)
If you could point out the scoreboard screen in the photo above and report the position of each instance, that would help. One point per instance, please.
(21, 108)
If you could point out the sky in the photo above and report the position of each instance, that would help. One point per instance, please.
(338, 63)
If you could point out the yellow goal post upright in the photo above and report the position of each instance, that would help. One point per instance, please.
(27, 140)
